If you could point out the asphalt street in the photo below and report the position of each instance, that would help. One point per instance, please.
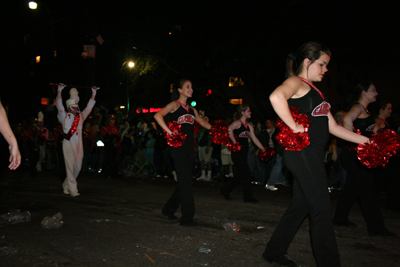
(118, 222)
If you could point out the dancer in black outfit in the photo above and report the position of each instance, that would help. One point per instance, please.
(359, 180)
(243, 130)
(183, 156)
(389, 174)
(310, 188)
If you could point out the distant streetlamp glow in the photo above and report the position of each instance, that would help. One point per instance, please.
(130, 65)
(32, 5)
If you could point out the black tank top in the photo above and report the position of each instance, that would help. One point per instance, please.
(243, 134)
(186, 119)
(366, 125)
(316, 109)
(387, 126)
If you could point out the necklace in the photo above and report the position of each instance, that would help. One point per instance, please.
(364, 108)
(312, 86)
(384, 121)
(186, 107)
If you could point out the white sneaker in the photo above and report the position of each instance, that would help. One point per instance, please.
(231, 174)
(202, 177)
(75, 194)
(158, 176)
(175, 177)
(166, 177)
(271, 187)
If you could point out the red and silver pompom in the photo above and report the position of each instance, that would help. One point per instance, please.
(381, 148)
(178, 138)
(234, 147)
(267, 154)
(289, 139)
(219, 132)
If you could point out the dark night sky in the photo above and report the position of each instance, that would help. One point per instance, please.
(249, 39)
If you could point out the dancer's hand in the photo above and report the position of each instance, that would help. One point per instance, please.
(15, 157)
(94, 89)
(299, 128)
(60, 87)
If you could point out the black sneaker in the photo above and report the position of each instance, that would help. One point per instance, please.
(383, 233)
(347, 224)
(281, 260)
(191, 224)
(171, 217)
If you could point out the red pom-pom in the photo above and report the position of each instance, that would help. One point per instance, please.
(219, 132)
(381, 148)
(290, 140)
(267, 154)
(234, 147)
(178, 138)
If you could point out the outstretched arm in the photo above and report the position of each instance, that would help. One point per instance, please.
(344, 133)
(91, 103)
(60, 87)
(94, 91)
(201, 121)
(5, 129)
(60, 108)
(255, 139)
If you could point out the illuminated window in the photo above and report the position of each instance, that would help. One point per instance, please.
(171, 87)
(235, 81)
(37, 59)
(121, 107)
(236, 101)
(55, 53)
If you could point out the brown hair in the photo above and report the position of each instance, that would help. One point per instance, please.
(241, 108)
(310, 50)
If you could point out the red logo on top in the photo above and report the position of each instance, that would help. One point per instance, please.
(245, 134)
(321, 110)
(371, 127)
(186, 119)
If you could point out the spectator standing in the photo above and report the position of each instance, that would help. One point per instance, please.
(205, 150)
(111, 137)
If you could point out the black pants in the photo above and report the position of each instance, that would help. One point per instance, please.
(310, 197)
(242, 174)
(359, 184)
(183, 158)
(393, 183)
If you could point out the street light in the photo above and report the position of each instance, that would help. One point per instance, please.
(130, 65)
(32, 5)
